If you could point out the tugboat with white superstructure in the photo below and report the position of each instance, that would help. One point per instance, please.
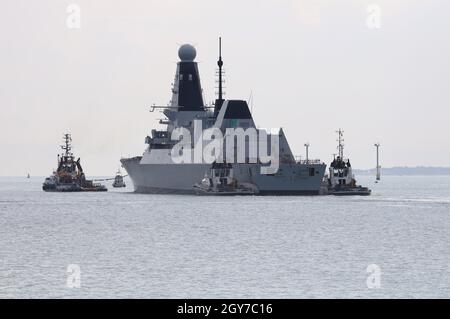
(220, 180)
(118, 180)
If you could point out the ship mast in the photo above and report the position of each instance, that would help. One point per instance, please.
(341, 143)
(307, 152)
(67, 147)
(219, 101)
(220, 64)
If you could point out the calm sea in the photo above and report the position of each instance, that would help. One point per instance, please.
(156, 246)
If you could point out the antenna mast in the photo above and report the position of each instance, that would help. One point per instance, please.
(220, 64)
(219, 101)
(307, 152)
(67, 147)
(341, 143)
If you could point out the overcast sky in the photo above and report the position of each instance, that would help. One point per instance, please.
(313, 66)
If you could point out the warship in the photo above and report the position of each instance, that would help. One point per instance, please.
(69, 177)
(156, 171)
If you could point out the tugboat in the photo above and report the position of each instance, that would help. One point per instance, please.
(69, 177)
(220, 180)
(118, 180)
(341, 180)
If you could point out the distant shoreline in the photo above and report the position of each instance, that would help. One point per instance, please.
(410, 171)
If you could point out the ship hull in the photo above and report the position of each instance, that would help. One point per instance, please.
(72, 189)
(181, 178)
(163, 178)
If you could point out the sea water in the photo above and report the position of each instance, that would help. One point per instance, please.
(119, 244)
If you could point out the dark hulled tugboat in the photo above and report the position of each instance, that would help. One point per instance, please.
(341, 180)
(69, 177)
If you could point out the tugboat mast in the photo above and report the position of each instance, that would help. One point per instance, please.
(341, 143)
(67, 147)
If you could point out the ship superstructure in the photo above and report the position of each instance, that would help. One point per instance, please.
(159, 170)
(69, 176)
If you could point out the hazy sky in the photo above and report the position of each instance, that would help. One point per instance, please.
(313, 66)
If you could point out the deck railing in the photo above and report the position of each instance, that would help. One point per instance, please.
(299, 160)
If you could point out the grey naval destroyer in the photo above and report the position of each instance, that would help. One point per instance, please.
(157, 172)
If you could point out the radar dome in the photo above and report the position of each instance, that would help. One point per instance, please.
(187, 53)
